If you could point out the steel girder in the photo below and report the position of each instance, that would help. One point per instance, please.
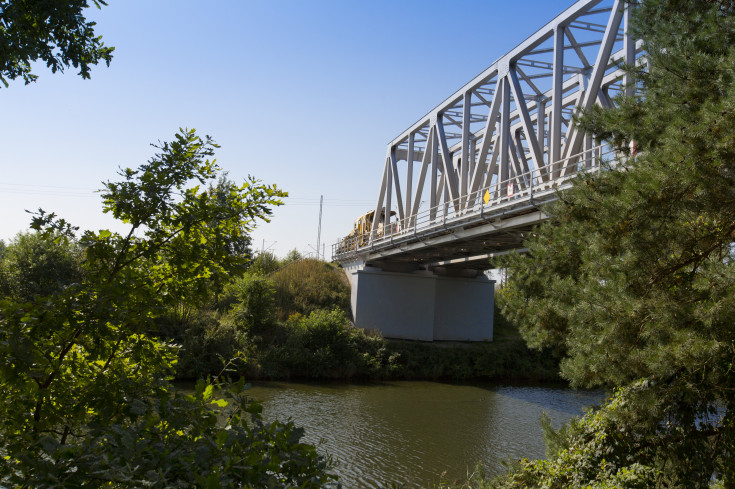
(509, 131)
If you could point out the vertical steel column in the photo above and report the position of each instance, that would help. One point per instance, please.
(472, 196)
(504, 173)
(556, 102)
(447, 198)
(541, 133)
(397, 184)
(425, 162)
(464, 166)
(409, 177)
(522, 161)
(434, 169)
(629, 50)
(389, 194)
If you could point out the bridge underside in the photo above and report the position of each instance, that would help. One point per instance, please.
(459, 250)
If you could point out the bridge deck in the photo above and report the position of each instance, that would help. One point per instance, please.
(497, 223)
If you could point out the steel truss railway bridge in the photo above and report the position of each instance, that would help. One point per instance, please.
(465, 182)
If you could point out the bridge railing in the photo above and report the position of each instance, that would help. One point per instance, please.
(516, 194)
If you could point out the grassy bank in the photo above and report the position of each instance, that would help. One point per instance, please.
(293, 324)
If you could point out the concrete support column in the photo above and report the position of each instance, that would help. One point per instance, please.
(423, 306)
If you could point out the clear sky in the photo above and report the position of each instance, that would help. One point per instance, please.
(303, 94)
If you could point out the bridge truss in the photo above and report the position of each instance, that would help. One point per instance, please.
(465, 181)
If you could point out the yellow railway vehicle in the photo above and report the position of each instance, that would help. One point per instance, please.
(360, 233)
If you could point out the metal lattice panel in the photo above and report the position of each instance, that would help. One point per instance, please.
(502, 140)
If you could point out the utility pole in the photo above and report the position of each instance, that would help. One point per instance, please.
(319, 234)
(263, 249)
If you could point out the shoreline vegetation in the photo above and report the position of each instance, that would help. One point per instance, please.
(285, 319)
(293, 324)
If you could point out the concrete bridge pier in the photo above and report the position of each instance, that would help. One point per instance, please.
(423, 305)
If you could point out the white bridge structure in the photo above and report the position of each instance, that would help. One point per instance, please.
(466, 182)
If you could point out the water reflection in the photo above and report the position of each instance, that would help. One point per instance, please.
(415, 431)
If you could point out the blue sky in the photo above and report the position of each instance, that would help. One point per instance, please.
(305, 95)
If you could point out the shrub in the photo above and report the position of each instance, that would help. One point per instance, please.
(292, 256)
(250, 301)
(265, 263)
(308, 285)
(37, 265)
(324, 345)
(205, 342)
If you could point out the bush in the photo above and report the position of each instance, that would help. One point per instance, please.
(291, 257)
(498, 361)
(250, 300)
(308, 285)
(324, 345)
(610, 447)
(37, 265)
(206, 343)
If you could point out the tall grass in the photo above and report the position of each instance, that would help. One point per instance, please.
(309, 285)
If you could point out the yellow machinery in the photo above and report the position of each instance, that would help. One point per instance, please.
(360, 233)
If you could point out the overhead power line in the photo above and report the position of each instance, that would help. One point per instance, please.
(64, 191)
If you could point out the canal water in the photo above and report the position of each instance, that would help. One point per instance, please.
(418, 432)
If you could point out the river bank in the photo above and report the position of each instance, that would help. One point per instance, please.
(325, 346)
(294, 324)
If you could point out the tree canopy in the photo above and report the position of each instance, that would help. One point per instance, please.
(33, 265)
(54, 32)
(84, 392)
(633, 278)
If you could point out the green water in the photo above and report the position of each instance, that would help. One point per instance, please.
(416, 431)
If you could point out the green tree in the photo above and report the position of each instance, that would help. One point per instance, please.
(265, 263)
(226, 249)
(37, 265)
(292, 256)
(84, 396)
(633, 278)
(237, 244)
(251, 300)
(50, 31)
(234, 245)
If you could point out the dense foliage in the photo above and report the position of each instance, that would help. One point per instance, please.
(323, 344)
(292, 324)
(53, 32)
(33, 265)
(84, 395)
(634, 277)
